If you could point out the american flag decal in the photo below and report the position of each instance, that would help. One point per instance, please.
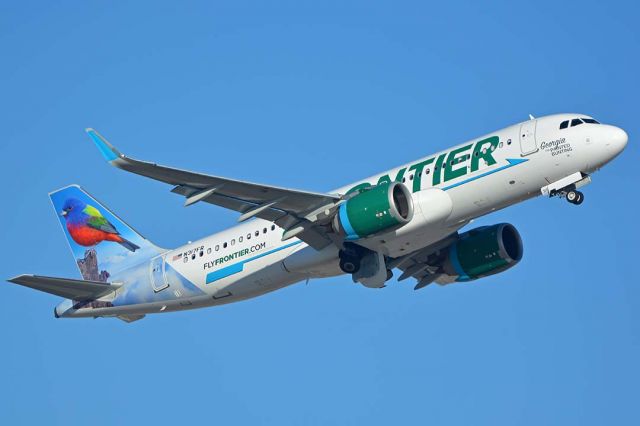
(177, 257)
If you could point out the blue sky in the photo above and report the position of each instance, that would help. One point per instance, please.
(314, 96)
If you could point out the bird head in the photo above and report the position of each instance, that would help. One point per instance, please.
(71, 206)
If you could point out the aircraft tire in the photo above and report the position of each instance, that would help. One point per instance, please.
(349, 265)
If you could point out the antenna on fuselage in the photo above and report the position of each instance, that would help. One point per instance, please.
(531, 117)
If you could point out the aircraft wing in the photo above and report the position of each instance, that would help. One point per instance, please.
(68, 288)
(301, 214)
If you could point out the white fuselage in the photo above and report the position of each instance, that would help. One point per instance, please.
(250, 259)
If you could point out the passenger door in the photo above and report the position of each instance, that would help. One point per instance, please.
(528, 137)
(156, 272)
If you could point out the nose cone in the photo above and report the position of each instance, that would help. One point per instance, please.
(616, 140)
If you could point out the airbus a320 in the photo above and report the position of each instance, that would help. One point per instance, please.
(408, 219)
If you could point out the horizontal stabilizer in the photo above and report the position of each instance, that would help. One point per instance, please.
(68, 288)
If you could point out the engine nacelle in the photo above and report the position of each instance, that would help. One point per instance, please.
(379, 209)
(483, 251)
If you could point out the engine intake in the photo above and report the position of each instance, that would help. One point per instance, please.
(484, 251)
(379, 209)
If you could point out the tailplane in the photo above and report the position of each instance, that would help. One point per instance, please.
(102, 244)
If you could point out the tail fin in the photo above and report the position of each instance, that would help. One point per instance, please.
(101, 242)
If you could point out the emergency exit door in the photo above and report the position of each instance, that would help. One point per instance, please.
(157, 275)
(528, 137)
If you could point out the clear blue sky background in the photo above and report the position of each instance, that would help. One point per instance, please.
(314, 95)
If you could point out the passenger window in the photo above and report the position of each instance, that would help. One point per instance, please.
(564, 124)
(186, 259)
(273, 227)
(576, 122)
(217, 247)
(193, 256)
(209, 250)
(224, 245)
(233, 241)
(240, 239)
(257, 233)
(201, 253)
(249, 236)
(264, 231)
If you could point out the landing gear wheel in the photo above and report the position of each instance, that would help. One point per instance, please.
(580, 198)
(572, 196)
(349, 265)
(350, 256)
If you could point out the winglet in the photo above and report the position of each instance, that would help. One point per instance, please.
(108, 151)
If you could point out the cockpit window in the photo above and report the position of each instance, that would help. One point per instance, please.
(577, 122)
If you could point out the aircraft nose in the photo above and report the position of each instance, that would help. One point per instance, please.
(617, 140)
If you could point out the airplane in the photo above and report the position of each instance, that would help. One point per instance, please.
(408, 218)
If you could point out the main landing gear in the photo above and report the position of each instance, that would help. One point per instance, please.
(367, 267)
(574, 197)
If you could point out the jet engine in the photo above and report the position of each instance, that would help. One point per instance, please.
(375, 210)
(481, 252)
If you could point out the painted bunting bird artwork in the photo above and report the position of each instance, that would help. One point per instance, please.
(88, 227)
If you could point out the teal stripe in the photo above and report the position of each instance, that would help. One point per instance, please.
(453, 256)
(238, 267)
(224, 272)
(512, 162)
(344, 221)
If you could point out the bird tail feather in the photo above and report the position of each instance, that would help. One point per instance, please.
(128, 245)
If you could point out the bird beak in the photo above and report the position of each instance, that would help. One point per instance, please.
(63, 213)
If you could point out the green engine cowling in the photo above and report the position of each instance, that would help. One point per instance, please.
(484, 251)
(375, 210)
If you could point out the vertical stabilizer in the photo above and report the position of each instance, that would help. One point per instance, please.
(102, 243)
